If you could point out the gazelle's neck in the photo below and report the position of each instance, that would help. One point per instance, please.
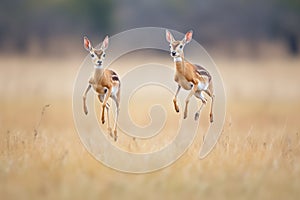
(179, 63)
(177, 59)
(98, 67)
(180, 58)
(98, 71)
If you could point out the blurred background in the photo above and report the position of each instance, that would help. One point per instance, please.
(31, 26)
(255, 45)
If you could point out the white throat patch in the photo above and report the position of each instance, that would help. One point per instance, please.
(98, 66)
(177, 59)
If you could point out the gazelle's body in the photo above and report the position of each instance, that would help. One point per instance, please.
(104, 82)
(190, 76)
(104, 79)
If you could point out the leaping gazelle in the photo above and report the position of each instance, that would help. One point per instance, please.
(190, 76)
(105, 83)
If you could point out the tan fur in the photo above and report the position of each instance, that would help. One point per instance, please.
(103, 81)
(189, 76)
(102, 78)
(186, 70)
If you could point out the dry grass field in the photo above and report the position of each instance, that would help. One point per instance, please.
(257, 156)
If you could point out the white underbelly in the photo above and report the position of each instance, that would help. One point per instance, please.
(114, 91)
(104, 90)
(203, 86)
(188, 85)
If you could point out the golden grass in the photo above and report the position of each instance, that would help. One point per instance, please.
(257, 156)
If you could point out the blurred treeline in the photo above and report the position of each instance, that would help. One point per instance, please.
(23, 22)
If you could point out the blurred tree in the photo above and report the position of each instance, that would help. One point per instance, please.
(289, 24)
(293, 44)
(23, 20)
(96, 14)
(294, 4)
(13, 15)
(214, 21)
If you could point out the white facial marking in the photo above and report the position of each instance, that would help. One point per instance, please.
(177, 59)
(98, 66)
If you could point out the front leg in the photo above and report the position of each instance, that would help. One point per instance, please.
(187, 100)
(175, 99)
(104, 104)
(84, 99)
(101, 99)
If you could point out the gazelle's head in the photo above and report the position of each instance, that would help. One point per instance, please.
(176, 46)
(97, 55)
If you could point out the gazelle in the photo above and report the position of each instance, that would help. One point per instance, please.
(105, 83)
(190, 76)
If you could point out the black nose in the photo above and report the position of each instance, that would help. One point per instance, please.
(99, 62)
(173, 53)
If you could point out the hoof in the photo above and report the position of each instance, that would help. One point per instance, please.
(196, 116)
(185, 116)
(211, 119)
(116, 136)
(176, 107)
(110, 132)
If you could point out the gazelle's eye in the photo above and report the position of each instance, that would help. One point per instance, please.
(92, 55)
(103, 55)
(180, 46)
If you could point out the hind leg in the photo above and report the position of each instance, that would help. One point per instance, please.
(209, 92)
(108, 123)
(203, 100)
(117, 100)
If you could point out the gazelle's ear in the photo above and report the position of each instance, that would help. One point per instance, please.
(87, 44)
(105, 43)
(188, 37)
(169, 36)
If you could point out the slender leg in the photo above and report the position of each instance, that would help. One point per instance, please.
(212, 96)
(100, 97)
(84, 99)
(117, 100)
(193, 90)
(108, 123)
(104, 104)
(116, 117)
(202, 104)
(211, 108)
(175, 99)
